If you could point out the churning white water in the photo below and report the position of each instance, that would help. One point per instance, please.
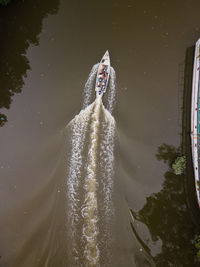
(89, 86)
(90, 175)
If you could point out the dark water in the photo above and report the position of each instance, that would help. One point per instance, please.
(47, 51)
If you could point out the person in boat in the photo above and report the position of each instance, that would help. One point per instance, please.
(103, 69)
(104, 75)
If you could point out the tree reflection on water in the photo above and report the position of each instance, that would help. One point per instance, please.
(168, 217)
(20, 26)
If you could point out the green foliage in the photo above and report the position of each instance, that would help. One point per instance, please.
(179, 165)
(4, 2)
(197, 245)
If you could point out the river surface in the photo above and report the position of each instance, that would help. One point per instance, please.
(84, 187)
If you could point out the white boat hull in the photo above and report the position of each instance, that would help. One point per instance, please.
(195, 120)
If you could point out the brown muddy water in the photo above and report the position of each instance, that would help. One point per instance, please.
(122, 162)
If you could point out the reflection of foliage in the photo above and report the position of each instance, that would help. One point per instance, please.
(168, 218)
(167, 153)
(197, 245)
(20, 26)
(4, 2)
(179, 165)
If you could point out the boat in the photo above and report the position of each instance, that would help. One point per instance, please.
(103, 74)
(195, 119)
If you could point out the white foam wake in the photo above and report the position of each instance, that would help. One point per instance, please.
(90, 206)
(89, 86)
(91, 166)
(107, 160)
(107, 183)
(78, 126)
(111, 91)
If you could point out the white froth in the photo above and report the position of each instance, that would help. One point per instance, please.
(88, 121)
(89, 86)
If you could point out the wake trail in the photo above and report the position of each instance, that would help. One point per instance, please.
(111, 94)
(90, 207)
(107, 160)
(78, 127)
(89, 86)
(91, 166)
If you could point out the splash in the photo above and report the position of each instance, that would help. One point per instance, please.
(89, 86)
(90, 176)
(111, 91)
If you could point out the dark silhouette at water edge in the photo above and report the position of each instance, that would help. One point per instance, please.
(20, 25)
(172, 215)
